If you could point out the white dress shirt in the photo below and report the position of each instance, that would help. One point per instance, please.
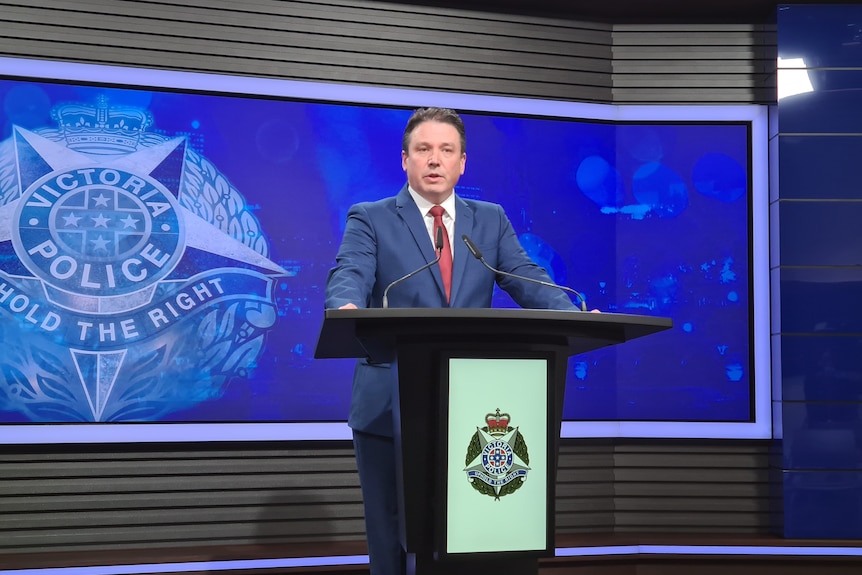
(448, 217)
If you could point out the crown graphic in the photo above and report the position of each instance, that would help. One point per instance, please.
(101, 129)
(498, 423)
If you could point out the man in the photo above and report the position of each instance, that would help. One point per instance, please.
(389, 238)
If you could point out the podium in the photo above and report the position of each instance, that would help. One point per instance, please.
(477, 402)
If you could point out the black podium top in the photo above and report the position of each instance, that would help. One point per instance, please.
(374, 332)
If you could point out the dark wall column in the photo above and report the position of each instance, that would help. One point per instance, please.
(816, 222)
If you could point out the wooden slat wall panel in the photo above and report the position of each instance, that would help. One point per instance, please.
(353, 42)
(115, 497)
(663, 486)
(692, 486)
(100, 498)
(112, 497)
(585, 487)
(694, 64)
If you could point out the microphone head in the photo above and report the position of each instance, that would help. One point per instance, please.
(438, 239)
(472, 247)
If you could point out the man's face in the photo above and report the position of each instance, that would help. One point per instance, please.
(434, 160)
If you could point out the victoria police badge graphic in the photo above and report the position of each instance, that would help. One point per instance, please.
(497, 460)
(134, 280)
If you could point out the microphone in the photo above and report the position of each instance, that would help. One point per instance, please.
(438, 246)
(474, 250)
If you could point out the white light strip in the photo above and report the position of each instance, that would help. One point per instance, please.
(195, 566)
(761, 429)
(15, 434)
(760, 550)
(202, 82)
(594, 551)
(750, 550)
(251, 564)
(762, 376)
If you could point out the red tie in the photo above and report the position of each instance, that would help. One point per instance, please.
(446, 254)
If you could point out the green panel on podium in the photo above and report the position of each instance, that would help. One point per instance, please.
(497, 455)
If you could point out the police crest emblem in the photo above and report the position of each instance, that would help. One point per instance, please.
(135, 281)
(497, 460)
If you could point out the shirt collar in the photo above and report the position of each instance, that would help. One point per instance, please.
(424, 205)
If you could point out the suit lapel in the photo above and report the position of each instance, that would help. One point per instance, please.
(409, 214)
(460, 253)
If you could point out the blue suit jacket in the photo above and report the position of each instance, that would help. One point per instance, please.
(387, 239)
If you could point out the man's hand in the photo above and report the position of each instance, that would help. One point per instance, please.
(348, 306)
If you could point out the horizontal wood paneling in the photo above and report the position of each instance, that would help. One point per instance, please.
(390, 44)
(692, 486)
(359, 42)
(99, 497)
(694, 63)
(585, 487)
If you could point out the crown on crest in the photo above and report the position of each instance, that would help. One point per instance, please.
(498, 423)
(101, 129)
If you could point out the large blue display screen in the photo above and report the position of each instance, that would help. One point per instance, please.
(163, 254)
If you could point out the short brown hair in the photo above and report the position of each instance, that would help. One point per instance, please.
(444, 115)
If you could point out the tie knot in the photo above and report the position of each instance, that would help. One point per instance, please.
(437, 211)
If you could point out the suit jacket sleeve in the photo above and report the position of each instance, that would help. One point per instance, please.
(352, 279)
(512, 258)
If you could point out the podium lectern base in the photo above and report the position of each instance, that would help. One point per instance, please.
(424, 564)
(422, 344)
